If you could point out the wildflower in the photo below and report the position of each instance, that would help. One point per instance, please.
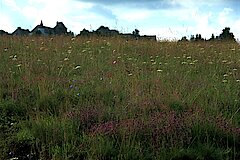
(5, 49)
(69, 51)
(66, 59)
(233, 49)
(152, 60)
(225, 75)
(238, 80)
(210, 62)
(153, 63)
(224, 61)
(78, 94)
(189, 57)
(130, 74)
(71, 86)
(73, 39)
(159, 70)
(77, 67)
(234, 69)
(184, 62)
(19, 65)
(114, 62)
(14, 58)
(224, 81)
(84, 50)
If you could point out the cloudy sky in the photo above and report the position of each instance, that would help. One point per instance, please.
(164, 18)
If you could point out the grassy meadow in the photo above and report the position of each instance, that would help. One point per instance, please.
(108, 98)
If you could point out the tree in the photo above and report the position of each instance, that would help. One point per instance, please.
(184, 39)
(192, 38)
(136, 33)
(84, 32)
(199, 37)
(227, 35)
(212, 38)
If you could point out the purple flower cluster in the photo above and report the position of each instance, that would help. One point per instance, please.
(74, 88)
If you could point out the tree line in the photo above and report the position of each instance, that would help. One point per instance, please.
(226, 35)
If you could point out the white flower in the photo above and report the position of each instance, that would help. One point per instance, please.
(77, 67)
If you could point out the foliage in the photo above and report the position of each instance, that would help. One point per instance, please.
(108, 98)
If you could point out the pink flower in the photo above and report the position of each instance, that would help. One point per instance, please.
(114, 62)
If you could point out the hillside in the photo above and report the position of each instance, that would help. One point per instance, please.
(108, 98)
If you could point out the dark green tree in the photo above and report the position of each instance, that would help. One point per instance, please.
(184, 39)
(136, 33)
(212, 38)
(226, 35)
(192, 38)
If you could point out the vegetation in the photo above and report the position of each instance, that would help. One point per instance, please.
(108, 98)
(226, 35)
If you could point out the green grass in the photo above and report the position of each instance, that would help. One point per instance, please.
(108, 98)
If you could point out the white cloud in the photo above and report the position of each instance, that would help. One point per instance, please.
(6, 24)
(223, 16)
(51, 11)
(133, 16)
(235, 29)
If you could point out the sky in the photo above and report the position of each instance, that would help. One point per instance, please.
(168, 19)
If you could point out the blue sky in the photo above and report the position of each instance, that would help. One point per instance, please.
(165, 18)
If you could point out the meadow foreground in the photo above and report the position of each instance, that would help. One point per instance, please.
(106, 98)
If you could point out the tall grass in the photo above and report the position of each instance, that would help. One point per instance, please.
(108, 98)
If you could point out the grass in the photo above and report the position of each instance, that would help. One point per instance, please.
(108, 98)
